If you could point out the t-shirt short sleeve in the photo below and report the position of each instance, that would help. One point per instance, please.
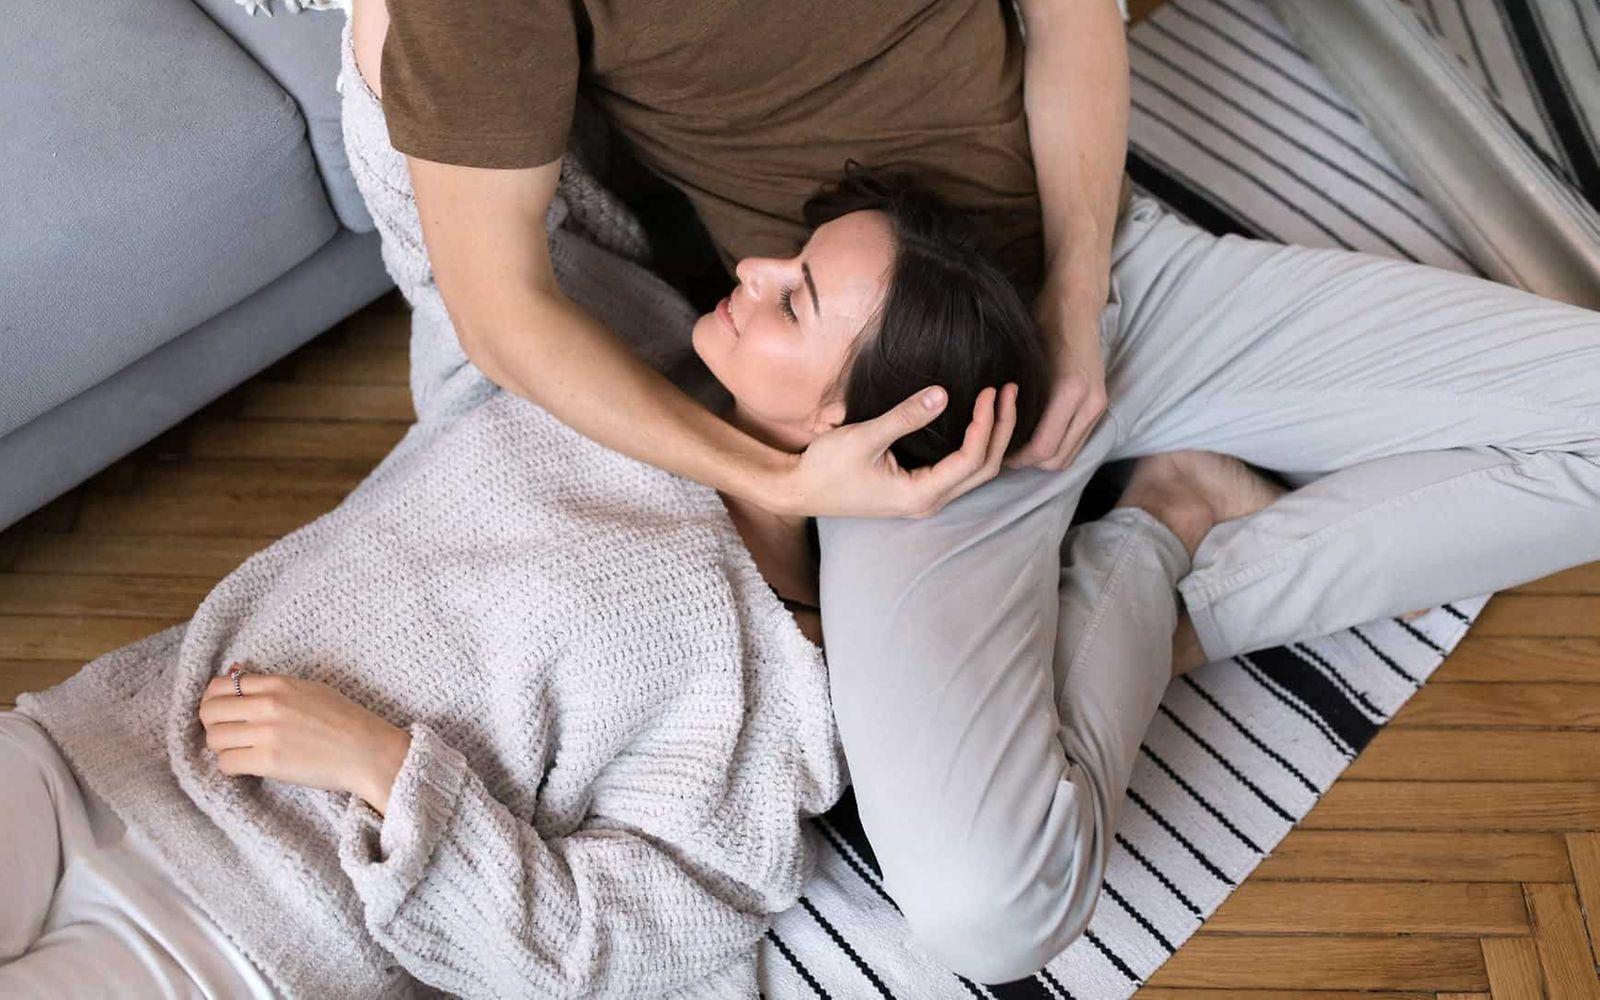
(480, 83)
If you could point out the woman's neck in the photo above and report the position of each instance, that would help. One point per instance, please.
(779, 543)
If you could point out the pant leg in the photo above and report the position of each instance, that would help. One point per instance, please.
(30, 841)
(99, 919)
(990, 750)
(1454, 423)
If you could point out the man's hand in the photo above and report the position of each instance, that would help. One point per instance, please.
(850, 471)
(303, 732)
(1078, 394)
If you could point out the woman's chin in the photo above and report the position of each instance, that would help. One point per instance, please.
(703, 340)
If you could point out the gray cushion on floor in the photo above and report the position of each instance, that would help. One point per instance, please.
(300, 48)
(153, 175)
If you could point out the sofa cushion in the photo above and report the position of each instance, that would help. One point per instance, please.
(153, 175)
(300, 48)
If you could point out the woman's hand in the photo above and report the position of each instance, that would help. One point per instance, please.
(1078, 394)
(303, 732)
(850, 471)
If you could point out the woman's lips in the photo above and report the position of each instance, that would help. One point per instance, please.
(726, 315)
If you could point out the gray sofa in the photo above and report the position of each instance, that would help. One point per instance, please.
(176, 213)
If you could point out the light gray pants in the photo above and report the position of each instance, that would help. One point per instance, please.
(991, 701)
(86, 910)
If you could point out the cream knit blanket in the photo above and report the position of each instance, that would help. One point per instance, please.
(616, 727)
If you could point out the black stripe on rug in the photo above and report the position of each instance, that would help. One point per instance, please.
(1525, 25)
(1420, 636)
(1184, 842)
(804, 972)
(1061, 991)
(1138, 918)
(1313, 657)
(1255, 740)
(1383, 657)
(850, 854)
(1289, 79)
(1031, 988)
(1183, 197)
(1249, 174)
(841, 827)
(1199, 799)
(1315, 691)
(844, 946)
(1226, 764)
(1399, 179)
(1293, 704)
(1159, 876)
(1112, 957)
(1274, 129)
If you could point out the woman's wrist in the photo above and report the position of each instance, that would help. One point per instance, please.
(382, 765)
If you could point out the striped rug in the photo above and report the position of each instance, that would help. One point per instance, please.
(1232, 128)
(1539, 63)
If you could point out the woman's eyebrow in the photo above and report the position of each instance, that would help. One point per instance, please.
(816, 307)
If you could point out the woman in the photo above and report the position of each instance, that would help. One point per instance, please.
(522, 714)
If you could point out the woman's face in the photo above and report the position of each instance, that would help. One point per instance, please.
(779, 340)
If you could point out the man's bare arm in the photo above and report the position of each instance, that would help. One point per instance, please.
(1075, 90)
(491, 259)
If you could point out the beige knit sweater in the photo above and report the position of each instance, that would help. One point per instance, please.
(616, 730)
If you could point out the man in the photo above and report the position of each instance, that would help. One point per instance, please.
(746, 108)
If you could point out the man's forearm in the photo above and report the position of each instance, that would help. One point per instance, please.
(1075, 91)
(562, 358)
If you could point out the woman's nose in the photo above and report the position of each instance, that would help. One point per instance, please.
(753, 271)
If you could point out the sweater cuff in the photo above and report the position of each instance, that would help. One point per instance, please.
(385, 856)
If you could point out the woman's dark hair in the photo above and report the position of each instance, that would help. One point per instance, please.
(951, 317)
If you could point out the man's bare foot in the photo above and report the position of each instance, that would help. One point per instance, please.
(1192, 492)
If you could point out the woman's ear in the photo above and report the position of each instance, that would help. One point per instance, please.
(829, 415)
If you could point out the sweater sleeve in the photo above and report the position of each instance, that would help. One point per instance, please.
(473, 900)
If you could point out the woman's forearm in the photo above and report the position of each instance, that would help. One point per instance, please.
(1075, 91)
(595, 912)
(573, 366)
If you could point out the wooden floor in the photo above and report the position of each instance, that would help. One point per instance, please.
(1459, 856)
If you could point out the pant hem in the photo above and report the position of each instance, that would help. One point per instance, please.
(1206, 629)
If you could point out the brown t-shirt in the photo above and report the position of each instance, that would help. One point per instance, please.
(744, 105)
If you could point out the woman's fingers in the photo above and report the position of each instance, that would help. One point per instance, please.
(247, 760)
(958, 472)
(999, 439)
(988, 437)
(260, 700)
(233, 735)
(909, 415)
(249, 683)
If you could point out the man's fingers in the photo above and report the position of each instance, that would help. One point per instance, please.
(1077, 434)
(1053, 425)
(1084, 422)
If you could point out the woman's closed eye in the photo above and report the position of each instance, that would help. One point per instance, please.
(784, 303)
